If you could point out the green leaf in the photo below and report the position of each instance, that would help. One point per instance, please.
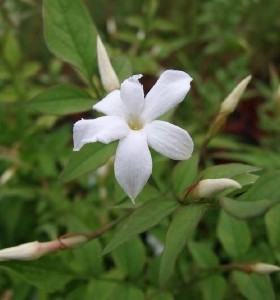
(70, 34)
(234, 235)
(47, 273)
(99, 290)
(130, 257)
(266, 187)
(203, 254)
(246, 179)
(184, 174)
(11, 50)
(254, 287)
(273, 227)
(143, 218)
(89, 158)
(245, 210)
(227, 170)
(179, 231)
(60, 100)
(106, 290)
(122, 67)
(213, 288)
(128, 292)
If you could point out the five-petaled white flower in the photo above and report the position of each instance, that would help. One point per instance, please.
(130, 118)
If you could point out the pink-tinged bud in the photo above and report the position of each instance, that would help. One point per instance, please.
(29, 251)
(230, 103)
(108, 76)
(262, 268)
(208, 188)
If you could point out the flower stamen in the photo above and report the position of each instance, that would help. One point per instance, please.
(134, 125)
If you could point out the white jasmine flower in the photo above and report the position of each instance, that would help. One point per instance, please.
(131, 119)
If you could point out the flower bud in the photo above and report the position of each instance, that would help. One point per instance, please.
(262, 268)
(230, 103)
(29, 251)
(208, 188)
(108, 76)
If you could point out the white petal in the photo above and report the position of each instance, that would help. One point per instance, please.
(133, 163)
(132, 95)
(111, 105)
(169, 140)
(103, 129)
(170, 89)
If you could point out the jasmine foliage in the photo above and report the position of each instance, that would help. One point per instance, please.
(168, 245)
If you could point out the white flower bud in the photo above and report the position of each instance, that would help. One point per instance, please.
(29, 251)
(230, 103)
(7, 175)
(207, 188)
(262, 268)
(108, 76)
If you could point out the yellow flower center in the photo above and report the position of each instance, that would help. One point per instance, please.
(135, 125)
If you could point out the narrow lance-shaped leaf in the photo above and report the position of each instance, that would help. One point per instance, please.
(227, 170)
(179, 231)
(89, 158)
(142, 219)
(60, 100)
(245, 210)
(70, 34)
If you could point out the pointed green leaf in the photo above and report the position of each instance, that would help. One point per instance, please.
(11, 50)
(143, 218)
(234, 235)
(60, 100)
(89, 158)
(227, 170)
(245, 210)
(70, 34)
(254, 287)
(266, 187)
(179, 231)
(273, 227)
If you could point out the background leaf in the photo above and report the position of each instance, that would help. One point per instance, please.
(89, 158)
(254, 287)
(245, 210)
(61, 100)
(179, 231)
(130, 257)
(227, 170)
(234, 235)
(143, 218)
(70, 34)
(49, 273)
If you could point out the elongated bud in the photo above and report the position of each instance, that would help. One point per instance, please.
(208, 188)
(108, 76)
(34, 250)
(29, 251)
(262, 268)
(230, 103)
